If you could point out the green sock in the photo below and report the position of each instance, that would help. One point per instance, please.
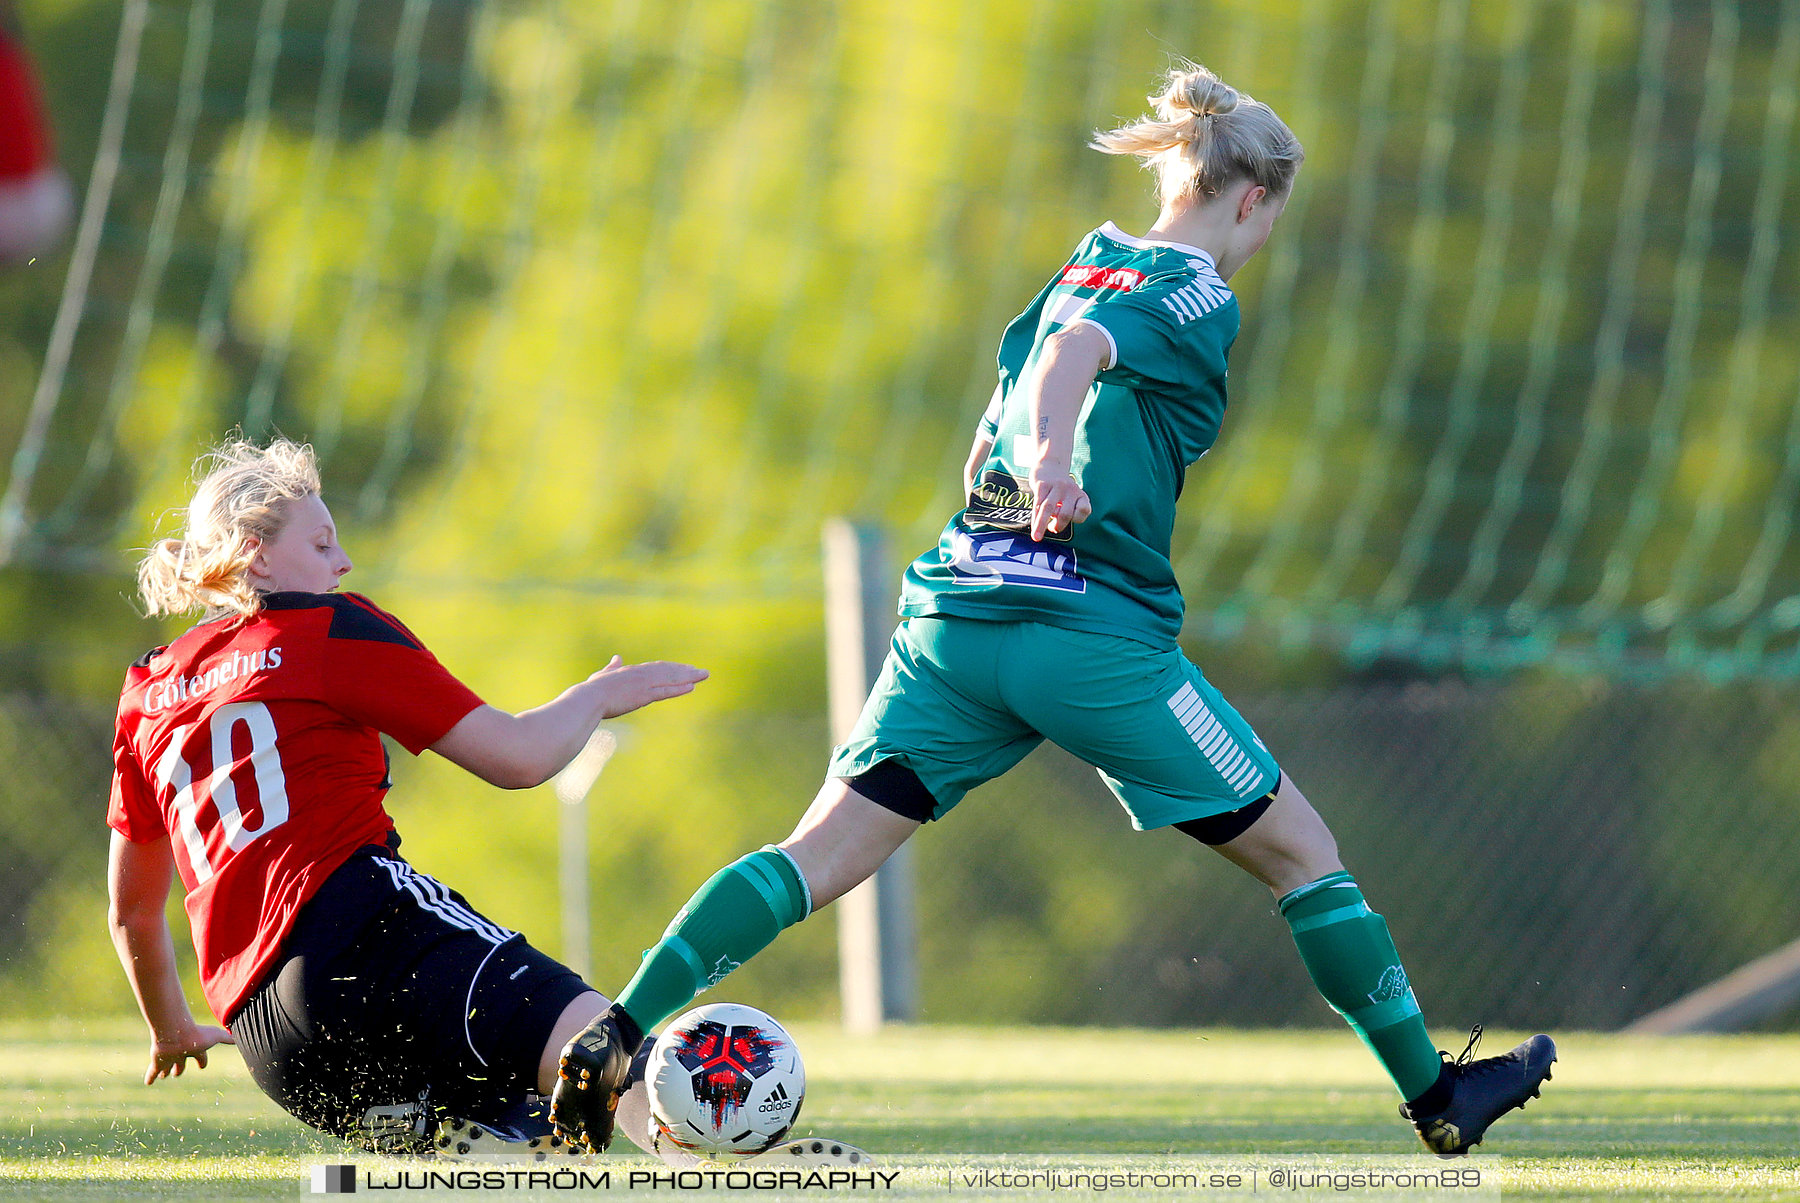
(734, 916)
(1351, 957)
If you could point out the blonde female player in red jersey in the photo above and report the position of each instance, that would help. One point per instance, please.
(1049, 610)
(367, 998)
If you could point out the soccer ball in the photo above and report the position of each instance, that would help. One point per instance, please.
(724, 1080)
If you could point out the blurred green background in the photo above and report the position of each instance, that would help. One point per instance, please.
(595, 312)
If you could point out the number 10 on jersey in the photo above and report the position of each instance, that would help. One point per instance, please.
(173, 772)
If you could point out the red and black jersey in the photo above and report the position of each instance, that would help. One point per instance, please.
(253, 745)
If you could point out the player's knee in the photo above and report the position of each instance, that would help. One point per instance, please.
(1284, 843)
(854, 825)
(1303, 830)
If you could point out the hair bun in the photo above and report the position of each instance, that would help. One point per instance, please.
(1195, 157)
(1203, 94)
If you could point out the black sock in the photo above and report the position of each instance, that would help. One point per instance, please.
(630, 1034)
(1435, 1098)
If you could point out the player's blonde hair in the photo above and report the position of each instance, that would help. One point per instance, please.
(1207, 134)
(241, 494)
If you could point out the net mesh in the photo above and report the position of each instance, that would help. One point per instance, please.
(618, 300)
(641, 291)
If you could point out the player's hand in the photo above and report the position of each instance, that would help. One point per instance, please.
(1059, 502)
(629, 686)
(169, 1056)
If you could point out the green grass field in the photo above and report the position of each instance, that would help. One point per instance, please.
(1713, 1117)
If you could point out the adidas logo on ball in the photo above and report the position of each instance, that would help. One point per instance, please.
(778, 1100)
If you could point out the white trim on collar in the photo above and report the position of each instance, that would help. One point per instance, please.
(1117, 235)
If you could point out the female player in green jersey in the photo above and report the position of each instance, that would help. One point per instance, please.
(1049, 610)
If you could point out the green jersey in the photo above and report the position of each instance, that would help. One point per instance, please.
(1153, 410)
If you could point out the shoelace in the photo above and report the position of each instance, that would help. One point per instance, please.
(1466, 1064)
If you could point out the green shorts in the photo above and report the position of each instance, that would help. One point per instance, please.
(960, 701)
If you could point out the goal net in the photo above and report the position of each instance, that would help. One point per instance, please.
(619, 300)
(639, 291)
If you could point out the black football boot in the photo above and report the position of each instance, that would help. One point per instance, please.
(1481, 1092)
(595, 1069)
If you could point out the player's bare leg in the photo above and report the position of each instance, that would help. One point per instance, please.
(581, 1011)
(1350, 955)
(632, 1116)
(593, 1072)
(1288, 846)
(518, 1137)
(842, 839)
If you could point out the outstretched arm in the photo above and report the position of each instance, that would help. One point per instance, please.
(137, 885)
(1056, 388)
(517, 751)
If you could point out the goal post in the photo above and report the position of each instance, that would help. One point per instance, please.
(572, 786)
(877, 956)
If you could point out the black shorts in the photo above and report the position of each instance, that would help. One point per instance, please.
(391, 987)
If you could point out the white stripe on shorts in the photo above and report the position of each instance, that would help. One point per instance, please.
(469, 1005)
(433, 896)
(1215, 741)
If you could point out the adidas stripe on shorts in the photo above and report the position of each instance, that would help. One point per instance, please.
(960, 701)
(391, 985)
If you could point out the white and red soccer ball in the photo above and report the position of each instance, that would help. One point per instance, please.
(724, 1080)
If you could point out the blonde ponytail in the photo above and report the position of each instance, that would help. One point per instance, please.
(242, 495)
(1206, 135)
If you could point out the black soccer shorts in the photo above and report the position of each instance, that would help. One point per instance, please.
(391, 987)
